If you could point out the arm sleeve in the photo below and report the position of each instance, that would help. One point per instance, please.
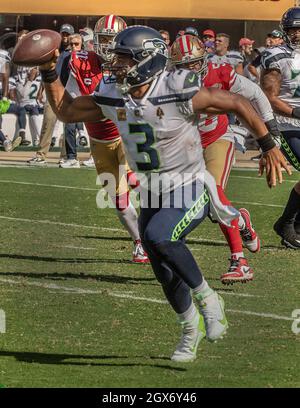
(255, 95)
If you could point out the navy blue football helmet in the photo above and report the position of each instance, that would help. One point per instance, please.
(146, 47)
(291, 19)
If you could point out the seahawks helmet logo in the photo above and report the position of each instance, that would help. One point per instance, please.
(157, 45)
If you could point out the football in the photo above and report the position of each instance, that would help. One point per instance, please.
(36, 48)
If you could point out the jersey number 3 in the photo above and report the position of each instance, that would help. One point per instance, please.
(145, 156)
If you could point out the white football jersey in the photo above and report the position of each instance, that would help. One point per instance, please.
(156, 136)
(4, 59)
(232, 58)
(27, 92)
(286, 60)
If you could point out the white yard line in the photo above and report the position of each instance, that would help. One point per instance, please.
(75, 290)
(259, 204)
(62, 224)
(97, 189)
(48, 185)
(287, 180)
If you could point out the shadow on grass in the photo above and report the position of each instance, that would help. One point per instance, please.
(71, 260)
(70, 275)
(62, 359)
(192, 241)
(105, 238)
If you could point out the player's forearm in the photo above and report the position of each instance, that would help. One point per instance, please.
(59, 100)
(255, 95)
(253, 71)
(246, 113)
(280, 107)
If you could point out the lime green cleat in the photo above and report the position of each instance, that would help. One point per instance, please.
(192, 333)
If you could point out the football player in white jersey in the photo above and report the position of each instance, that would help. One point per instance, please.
(26, 95)
(280, 81)
(154, 111)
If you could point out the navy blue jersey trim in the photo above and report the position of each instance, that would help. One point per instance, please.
(106, 101)
(164, 99)
(267, 61)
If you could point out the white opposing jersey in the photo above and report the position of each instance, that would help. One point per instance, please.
(233, 58)
(4, 59)
(27, 92)
(156, 135)
(287, 61)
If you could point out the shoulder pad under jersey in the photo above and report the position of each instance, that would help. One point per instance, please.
(271, 56)
(181, 79)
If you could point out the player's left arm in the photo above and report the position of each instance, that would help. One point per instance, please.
(239, 69)
(251, 91)
(270, 83)
(215, 101)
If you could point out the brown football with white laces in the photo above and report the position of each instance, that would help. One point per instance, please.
(36, 48)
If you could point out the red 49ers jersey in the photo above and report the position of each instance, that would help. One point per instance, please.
(211, 128)
(86, 69)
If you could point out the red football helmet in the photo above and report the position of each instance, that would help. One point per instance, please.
(106, 28)
(189, 52)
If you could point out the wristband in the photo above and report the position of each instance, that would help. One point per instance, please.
(296, 113)
(49, 75)
(266, 143)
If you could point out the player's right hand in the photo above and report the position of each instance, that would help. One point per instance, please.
(273, 161)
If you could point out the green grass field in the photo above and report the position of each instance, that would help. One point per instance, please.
(80, 314)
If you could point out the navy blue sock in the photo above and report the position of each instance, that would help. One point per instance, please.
(292, 208)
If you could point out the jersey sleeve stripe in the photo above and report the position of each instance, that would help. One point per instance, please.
(104, 100)
(164, 99)
(266, 62)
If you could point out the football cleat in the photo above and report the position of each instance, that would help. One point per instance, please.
(70, 164)
(16, 142)
(211, 307)
(25, 142)
(37, 161)
(139, 254)
(287, 232)
(89, 163)
(239, 271)
(250, 238)
(7, 145)
(192, 333)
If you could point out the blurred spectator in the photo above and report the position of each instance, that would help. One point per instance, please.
(26, 96)
(49, 118)
(166, 36)
(275, 38)
(222, 53)
(87, 35)
(208, 39)
(70, 129)
(65, 31)
(208, 35)
(8, 106)
(246, 48)
(191, 31)
(180, 33)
